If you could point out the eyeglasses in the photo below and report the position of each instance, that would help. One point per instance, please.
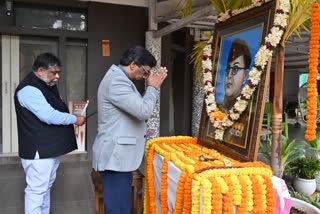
(234, 70)
(53, 72)
(146, 72)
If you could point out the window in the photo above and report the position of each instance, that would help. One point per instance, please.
(50, 19)
(76, 67)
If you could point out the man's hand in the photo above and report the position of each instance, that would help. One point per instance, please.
(156, 78)
(80, 120)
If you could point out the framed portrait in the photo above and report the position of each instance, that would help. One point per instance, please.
(234, 46)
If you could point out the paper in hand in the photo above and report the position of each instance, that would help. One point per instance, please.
(84, 108)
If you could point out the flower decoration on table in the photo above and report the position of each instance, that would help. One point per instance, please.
(204, 186)
(312, 93)
(222, 120)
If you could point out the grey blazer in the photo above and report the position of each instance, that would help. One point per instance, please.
(122, 117)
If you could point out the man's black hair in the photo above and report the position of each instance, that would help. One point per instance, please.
(45, 60)
(139, 55)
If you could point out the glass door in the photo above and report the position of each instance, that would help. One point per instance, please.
(9, 81)
(17, 56)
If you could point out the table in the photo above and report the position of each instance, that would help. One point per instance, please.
(177, 181)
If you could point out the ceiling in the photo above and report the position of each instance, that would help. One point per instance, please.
(204, 18)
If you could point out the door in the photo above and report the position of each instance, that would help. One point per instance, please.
(17, 56)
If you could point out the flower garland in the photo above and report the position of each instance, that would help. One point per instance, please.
(150, 199)
(311, 123)
(179, 194)
(187, 202)
(258, 194)
(246, 186)
(216, 196)
(164, 186)
(242, 208)
(222, 120)
(271, 200)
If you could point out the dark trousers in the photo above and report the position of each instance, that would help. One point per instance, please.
(116, 191)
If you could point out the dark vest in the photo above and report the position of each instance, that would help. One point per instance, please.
(35, 135)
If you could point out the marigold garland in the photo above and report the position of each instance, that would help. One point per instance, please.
(271, 199)
(206, 196)
(228, 199)
(259, 199)
(246, 186)
(187, 202)
(216, 196)
(242, 208)
(164, 186)
(312, 93)
(195, 189)
(180, 194)
(150, 200)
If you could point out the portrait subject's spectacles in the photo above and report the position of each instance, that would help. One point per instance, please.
(234, 70)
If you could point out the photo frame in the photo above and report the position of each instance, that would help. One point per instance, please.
(235, 44)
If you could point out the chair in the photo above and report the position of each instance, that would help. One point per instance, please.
(267, 116)
(302, 102)
(136, 192)
(267, 121)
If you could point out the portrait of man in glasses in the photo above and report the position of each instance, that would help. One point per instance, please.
(234, 50)
(237, 71)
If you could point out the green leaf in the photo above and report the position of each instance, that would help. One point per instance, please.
(306, 167)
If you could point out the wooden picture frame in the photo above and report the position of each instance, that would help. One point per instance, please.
(241, 140)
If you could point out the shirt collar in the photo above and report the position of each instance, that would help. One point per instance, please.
(124, 71)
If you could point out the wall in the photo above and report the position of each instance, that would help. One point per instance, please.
(124, 26)
(290, 86)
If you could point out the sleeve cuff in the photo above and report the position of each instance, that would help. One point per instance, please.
(74, 119)
(153, 89)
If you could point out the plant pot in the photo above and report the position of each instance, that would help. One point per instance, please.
(318, 183)
(304, 186)
(304, 206)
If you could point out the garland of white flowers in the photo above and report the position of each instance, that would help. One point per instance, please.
(222, 120)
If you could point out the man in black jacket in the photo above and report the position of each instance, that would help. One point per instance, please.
(45, 130)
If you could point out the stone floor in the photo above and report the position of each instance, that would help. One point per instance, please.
(72, 192)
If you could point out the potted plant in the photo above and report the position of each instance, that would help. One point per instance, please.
(290, 151)
(309, 205)
(314, 147)
(302, 206)
(304, 170)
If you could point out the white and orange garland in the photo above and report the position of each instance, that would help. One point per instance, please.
(311, 123)
(244, 186)
(222, 120)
